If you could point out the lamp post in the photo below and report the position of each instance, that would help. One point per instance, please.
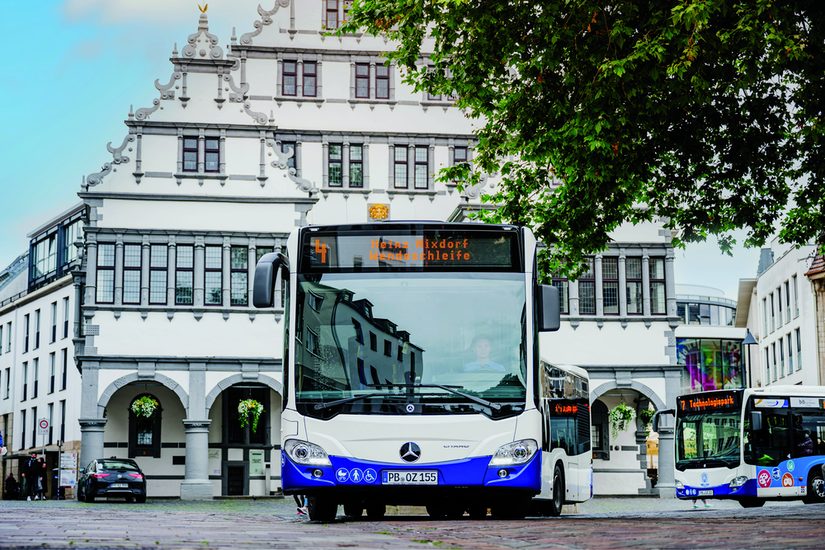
(748, 342)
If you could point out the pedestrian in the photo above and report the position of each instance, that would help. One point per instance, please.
(40, 480)
(704, 501)
(11, 490)
(303, 504)
(30, 472)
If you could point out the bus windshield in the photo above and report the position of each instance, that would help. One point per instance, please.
(410, 343)
(707, 440)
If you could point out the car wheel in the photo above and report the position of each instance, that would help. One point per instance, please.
(751, 502)
(80, 496)
(322, 509)
(556, 503)
(816, 489)
(140, 499)
(90, 497)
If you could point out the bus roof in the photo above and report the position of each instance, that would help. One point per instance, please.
(788, 390)
(408, 223)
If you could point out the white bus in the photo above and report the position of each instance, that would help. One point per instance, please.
(752, 445)
(412, 373)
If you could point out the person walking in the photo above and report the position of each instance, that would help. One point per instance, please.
(29, 475)
(40, 480)
(11, 490)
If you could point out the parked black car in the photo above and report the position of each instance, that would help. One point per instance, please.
(112, 477)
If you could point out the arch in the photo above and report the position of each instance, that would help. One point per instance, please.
(638, 386)
(239, 378)
(123, 381)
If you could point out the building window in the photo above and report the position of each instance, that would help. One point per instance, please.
(25, 380)
(131, 273)
(790, 354)
(780, 319)
(190, 154)
(44, 260)
(787, 290)
(289, 78)
(309, 79)
(312, 344)
(35, 377)
(587, 290)
(564, 293)
(7, 389)
(795, 298)
(773, 312)
(184, 278)
(66, 317)
(144, 433)
(213, 276)
(773, 362)
(64, 364)
(212, 154)
(52, 372)
(373, 342)
(62, 420)
(610, 285)
(1, 339)
(36, 328)
(26, 333)
(422, 167)
(356, 166)
(22, 429)
(335, 161)
(105, 274)
(658, 305)
(331, 14)
(382, 82)
(158, 262)
(798, 350)
(767, 365)
(53, 328)
(71, 233)
(633, 285)
(261, 251)
(400, 166)
(460, 155)
(362, 80)
(782, 355)
(8, 337)
(50, 417)
(239, 277)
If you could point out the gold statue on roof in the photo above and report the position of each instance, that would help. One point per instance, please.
(203, 8)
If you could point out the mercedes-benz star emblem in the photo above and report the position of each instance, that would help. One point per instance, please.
(410, 451)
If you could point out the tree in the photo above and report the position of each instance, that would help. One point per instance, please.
(706, 113)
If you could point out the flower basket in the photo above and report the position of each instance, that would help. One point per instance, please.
(144, 406)
(247, 408)
(646, 416)
(620, 417)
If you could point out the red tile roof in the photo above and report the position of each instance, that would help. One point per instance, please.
(817, 269)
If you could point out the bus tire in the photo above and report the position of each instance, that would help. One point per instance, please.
(322, 509)
(376, 511)
(751, 502)
(816, 488)
(555, 505)
(353, 510)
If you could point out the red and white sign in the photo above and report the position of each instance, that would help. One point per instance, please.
(787, 480)
(43, 426)
(763, 478)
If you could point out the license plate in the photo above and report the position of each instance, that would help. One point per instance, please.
(706, 493)
(119, 486)
(410, 477)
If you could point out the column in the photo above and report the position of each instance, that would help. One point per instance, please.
(667, 458)
(597, 262)
(196, 485)
(622, 285)
(91, 270)
(91, 418)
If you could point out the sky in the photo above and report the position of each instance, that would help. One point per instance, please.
(74, 67)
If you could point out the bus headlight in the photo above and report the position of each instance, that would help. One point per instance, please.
(738, 481)
(304, 452)
(679, 484)
(517, 452)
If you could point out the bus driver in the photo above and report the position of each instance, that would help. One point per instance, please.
(483, 362)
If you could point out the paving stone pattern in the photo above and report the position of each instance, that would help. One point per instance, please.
(600, 523)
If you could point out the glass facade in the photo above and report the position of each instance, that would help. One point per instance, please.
(710, 364)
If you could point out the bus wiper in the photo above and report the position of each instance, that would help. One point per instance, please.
(450, 389)
(322, 406)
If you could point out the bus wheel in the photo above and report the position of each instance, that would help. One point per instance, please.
(376, 511)
(816, 489)
(353, 510)
(557, 501)
(751, 502)
(477, 511)
(322, 509)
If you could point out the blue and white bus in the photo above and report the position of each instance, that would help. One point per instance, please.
(752, 445)
(413, 374)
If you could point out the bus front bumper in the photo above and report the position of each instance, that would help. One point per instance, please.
(688, 492)
(361, 476)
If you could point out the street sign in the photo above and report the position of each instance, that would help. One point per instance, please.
(68, 461)
(43, 426)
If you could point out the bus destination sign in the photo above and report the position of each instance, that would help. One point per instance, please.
(716, 401)
(427, 249)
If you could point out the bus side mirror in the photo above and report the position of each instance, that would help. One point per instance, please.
(266, 272)
(549, 312)
(657, 418)
(756, 421)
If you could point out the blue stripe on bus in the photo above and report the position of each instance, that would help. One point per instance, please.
(469, 472)
(719, 491)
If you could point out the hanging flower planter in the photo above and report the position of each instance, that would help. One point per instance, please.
(247, 408)
(620, 417)
(144, 406)
(646, 416)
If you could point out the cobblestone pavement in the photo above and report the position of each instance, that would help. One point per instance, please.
(599, 523)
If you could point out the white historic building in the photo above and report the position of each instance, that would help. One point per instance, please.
(286, 127)
(39, 294)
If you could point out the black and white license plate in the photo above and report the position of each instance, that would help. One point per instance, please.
(409, 477)
(706, 493)
(119, 486)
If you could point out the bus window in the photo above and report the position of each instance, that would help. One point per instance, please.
(808, 432)
(771, 444)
